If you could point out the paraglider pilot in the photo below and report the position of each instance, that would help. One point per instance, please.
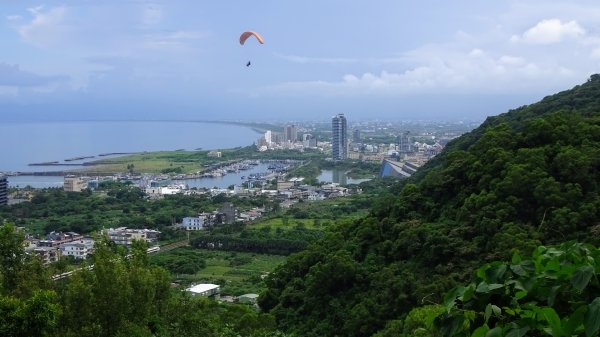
(246, 35)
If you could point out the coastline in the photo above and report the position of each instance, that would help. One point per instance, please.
(76, 163)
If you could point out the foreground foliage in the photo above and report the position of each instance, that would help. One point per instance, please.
(556, 292)
(120, 296)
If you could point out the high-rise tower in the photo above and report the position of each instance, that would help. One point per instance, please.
(290, 132)
(404, 143)
(339, 140)
(356, 136)
(3, 190)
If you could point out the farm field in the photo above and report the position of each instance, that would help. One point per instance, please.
(238, 273)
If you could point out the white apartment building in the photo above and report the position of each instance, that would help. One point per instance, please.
(125, 236)
(74, 184)
(192, 223)
(79, 249)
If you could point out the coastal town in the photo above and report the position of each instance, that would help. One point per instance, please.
(280, 183)
(300, 169)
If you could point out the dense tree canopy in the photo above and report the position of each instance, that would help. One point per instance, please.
(524, 178)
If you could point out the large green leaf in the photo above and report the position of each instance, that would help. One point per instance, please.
(591, 322)
(496, 274)
(450, 297)
(488, 312)
(481, 331)
(582, 277)
(518, 269)
(496, 309)
(551, 297)
(571, 324)
(518, 332)
(495, 332)
(550, 316)
(467, 294)
(485, 287)
(520, 294)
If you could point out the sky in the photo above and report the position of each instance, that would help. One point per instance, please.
(375, 59)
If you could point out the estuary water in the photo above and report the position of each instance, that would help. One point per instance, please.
(339, 177)
(40, 142)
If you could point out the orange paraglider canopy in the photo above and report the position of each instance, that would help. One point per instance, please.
(246, 35)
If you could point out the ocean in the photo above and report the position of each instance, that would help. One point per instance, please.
(27, 142)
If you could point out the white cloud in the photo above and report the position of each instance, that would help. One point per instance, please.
(476, 62)
(46, 28)
(173, 41)
(305, 59)
(595, 54)
(476, 52)
(8, 91)
(511, 60)
(550, 31)
(13, 76)
(152, 14)
(440, 71)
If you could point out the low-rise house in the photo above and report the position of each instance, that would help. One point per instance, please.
(55, 239)
(192, 223)
(172, 189)
(314, 196)
(125, 236)
(334, 190)
(251, 215)
(47, 254)
(152, 191)
(204, 289)
(284, 185)
(79, 249)
(248, 298)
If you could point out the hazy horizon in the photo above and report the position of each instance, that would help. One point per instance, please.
(176, 60)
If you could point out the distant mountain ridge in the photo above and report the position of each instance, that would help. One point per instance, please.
(523, 178)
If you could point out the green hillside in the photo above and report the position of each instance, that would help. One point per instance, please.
(524, 178)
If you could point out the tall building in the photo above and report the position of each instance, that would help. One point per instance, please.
(290, 132)
(3, 190)
(356, 136)
(268, 137)
(339, 140)
(230, 212)
(404, 143)
(309, 140)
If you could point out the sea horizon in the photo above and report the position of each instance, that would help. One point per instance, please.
(34, 142)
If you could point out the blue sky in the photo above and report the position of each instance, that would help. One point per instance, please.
(386, 59)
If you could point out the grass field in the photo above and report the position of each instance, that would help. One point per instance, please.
(152, 162)
(237, 273)
(290, 223)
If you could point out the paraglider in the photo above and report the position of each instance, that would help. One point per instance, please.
(246, 35)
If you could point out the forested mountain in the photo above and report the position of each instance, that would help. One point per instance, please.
(522, 179)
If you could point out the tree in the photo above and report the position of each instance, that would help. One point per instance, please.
(36, 316)
(11, 256)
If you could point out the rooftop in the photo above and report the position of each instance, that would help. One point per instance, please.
(200, 288)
